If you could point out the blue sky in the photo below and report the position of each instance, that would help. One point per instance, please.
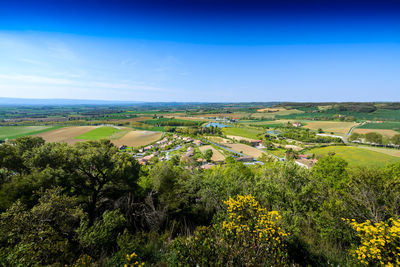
(219, 51)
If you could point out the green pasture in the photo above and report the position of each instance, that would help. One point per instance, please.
(102, 133)
(12, 132)
(382, 126)
(356, 156)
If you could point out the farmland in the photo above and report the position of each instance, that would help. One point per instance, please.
(245, 149)
(337, 127)
(244, 132)
(66, 134)
(100, 133)
(356, 156)
(384, 126)
(138, 138)
(11, 132)
(388, 133)
(216, 156)
(389, 151)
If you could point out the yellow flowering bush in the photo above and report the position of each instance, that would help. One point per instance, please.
(255, 230)
(380, 242)
(248, 235)
(133, 260)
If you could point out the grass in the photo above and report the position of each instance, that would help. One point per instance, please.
(244, 132)
(357, 156)
(99, 133)
(279, 152)
(389, 151)
(12, 132)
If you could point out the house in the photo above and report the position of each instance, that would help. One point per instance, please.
(296, 124)
(302, 156)
(208, 166)
(255, 142)
(190, 152)
(197, 142)
(142, 161)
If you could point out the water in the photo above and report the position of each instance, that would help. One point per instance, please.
(216, 124)
(274, 132)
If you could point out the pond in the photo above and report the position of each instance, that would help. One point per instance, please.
(216, 124)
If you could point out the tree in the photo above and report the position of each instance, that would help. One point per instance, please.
(373, 137)
(208, 154)
(44, 235)
(331, 169)
(354, 137)
(396, 139)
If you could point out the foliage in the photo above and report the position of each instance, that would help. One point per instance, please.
(379, 242)
(43, 235)
(249, 235)
(100, 237)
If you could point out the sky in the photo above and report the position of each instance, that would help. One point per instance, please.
(201, 50)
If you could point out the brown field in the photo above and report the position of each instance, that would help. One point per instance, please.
(248, 150)
(134, 119)
(66, 134)
(238, 138)
(218, 140)
(388, 151)
(270, 109)
(138, 138)
(217, 156)
(331, 126)
(388, 133)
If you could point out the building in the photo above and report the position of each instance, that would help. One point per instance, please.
(255, 142)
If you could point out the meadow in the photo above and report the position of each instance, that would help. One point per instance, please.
(387, 133)
(356, 156)
(105, 132)
(12, 132)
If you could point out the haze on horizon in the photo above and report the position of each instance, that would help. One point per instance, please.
(201, 51)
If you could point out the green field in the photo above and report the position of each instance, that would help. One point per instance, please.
(12, 132)
(101, 133)
(244, 132)
(356, 156)
(384, 126)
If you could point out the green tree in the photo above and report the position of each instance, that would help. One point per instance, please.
(374, 138)
(395, 139)
(208, 154)
(331, 169)
(43, 235)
